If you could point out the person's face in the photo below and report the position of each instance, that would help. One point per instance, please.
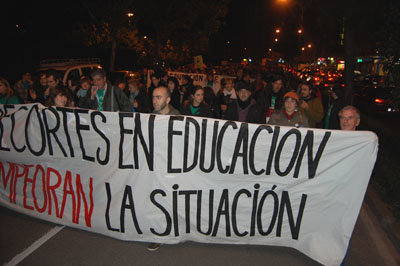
(198, 97)
(160, 99)
(229, 85)
(85, 85)
(244, 95)
(240, 73)
(26, 77)
(348, 120)
(3, 88)
(60, 100)
(305, 92)
(171, 86)
(132, 88)
(121, 86)
(99, 81)
(52, 82)
(155, 81)
(277, 85)
(290, 105)
(43, 80)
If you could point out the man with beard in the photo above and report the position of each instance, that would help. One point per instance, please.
(310, 105)
(245, 108)
(161, 99)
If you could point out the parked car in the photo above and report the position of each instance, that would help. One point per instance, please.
(376, 100)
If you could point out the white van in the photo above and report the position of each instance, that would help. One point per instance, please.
(70, 69)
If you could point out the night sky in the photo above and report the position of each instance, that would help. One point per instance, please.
(44, 31)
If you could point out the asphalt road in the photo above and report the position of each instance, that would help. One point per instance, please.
(22, 242)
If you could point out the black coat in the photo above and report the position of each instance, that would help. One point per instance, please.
(255, 115)
(144, 104)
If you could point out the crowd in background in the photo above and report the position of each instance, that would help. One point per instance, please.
(252, 95)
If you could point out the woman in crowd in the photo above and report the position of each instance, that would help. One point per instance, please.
(60, 97)
(6, 93)
(138, 97)
(173, 86)
(225, 96)
(197, 106)
(288, 115)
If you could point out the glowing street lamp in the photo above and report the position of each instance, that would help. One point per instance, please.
(277, 30)
(269, 50)
(276, 40)
(309, 46)
(300, 31)
(129, 14)
(302, 48)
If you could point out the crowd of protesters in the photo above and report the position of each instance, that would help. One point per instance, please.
(250, 95)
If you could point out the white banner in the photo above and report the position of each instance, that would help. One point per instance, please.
(170, 179)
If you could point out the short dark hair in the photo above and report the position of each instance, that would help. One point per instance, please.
(54, 73)
(165, 88)
(308, 84)
(98, 72)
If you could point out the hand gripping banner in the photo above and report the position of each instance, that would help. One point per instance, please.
(169, 179)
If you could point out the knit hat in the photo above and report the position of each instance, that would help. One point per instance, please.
(291, 94)
(243, 85)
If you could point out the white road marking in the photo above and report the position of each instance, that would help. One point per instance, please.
(21, 256)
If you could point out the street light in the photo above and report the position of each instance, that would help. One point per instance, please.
(309, 46)
(269, 50)
(129, 14)
(276, 40)
(277, 30)
(302, 48)
(300, 31)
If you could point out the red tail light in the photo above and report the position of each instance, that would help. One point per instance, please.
(377, 100)
(326, 85)
(342, 85)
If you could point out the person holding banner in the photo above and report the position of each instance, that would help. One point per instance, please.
(289, 115)
(349, 117)
(103, 96)
(245, 108)
(60, 97)
(161, 102)
(197, 107)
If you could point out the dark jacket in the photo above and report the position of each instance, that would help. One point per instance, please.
(204, 111)
(264, 98)
(255, 114)
(144, 104)
(114, 100)
(221, 98)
